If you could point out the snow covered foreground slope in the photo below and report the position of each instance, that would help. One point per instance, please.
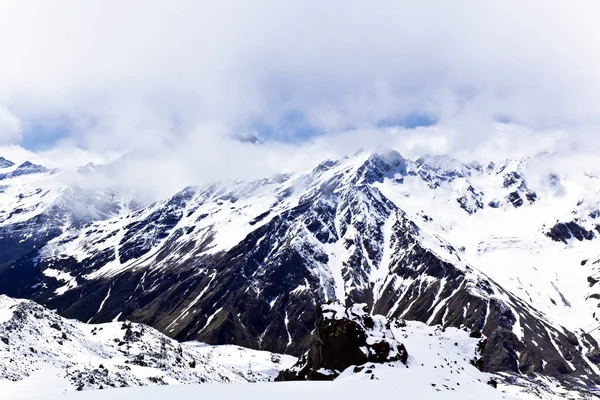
(42, 351)
(48, 355)
(501, 248)
(440, 366)
(291, 391)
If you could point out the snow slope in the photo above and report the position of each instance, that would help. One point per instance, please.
(439, 367)
(39, 349)
(292, 391)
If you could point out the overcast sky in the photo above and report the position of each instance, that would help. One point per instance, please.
(174, 80)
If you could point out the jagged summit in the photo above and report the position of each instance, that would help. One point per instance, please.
(246, 262)
(26, 168)
(386, 158)
(250, 138)
(4, 163)
(444, 165)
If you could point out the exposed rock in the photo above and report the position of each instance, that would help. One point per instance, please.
(345, 337)
(515, 199)
(563, 231)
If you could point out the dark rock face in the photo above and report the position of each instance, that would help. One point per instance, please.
(512, 178)
(515, 199)
(19, 239)
(563, 231)
(515, 181)
(346, 337)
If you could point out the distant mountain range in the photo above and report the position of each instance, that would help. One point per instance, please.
(507, 250)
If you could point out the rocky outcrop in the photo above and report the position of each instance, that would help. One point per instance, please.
(563, 231)
(346, 337)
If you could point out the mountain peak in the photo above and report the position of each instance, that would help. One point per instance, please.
(25, 168)
(29, 168)
(248, 138)
(384, 155)
(380, 162)
(4, 163)
(381, 150)
(439, 161)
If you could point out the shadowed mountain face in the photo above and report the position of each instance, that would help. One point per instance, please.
(250, 262)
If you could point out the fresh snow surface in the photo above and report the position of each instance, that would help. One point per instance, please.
(438, 367)
(52, 356)
(254, 365)
(43, 352)
(390, 388)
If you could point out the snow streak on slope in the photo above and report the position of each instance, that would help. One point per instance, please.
(510, 243)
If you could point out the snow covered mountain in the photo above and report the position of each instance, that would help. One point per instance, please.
(38, 347)
(505, 249)
(38, 204)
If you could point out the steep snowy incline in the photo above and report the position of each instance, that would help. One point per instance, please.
(535, 247)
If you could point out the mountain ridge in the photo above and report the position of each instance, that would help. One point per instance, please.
(248, 262)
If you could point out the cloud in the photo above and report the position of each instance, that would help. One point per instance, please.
(10, 127)
(175, 80)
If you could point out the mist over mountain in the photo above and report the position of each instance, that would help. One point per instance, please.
(506, 249)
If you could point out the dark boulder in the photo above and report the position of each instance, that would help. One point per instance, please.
(515, 199)
(563, 231)
(345, 337)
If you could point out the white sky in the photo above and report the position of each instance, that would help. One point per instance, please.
(175, 79)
